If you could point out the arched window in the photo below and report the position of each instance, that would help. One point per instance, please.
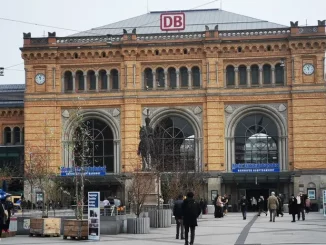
(175, 144)
(94, 144)
(148, 78)
(91, 79)
(195, 76)
(115, 79)
(172, 77)
(103, 80)
(279, 74)
(160, 79)
(256, 140)
(242, 75)
(7, 135)
(184, 77)
(16, 135)
(254, 75)
(230, 76)
(80, 80)
(68, 81)
(267, 71)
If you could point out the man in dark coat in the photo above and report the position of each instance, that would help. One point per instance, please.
(177, 212)
(244, 206)
(301, 204)
(279, 210)
(215, 207)
(293, 209)
(2, 218)
(191, 211)
(9, 206)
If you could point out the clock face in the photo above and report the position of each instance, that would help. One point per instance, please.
(308, 69)
(40, 78)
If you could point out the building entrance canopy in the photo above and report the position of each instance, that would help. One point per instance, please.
(256, 178)
(256, 168)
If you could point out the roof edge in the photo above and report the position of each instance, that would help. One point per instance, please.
(181, 10)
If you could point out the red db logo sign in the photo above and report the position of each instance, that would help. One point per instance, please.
(173, 22)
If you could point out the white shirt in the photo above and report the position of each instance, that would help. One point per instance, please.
(298, 199)
(106, 202)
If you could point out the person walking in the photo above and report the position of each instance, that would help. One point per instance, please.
(280, 205)
(272, 205)
(219, 206)
(9, 206)
(202, 205)
(191, 211)
(308, 205)
(225, 204)
(293, 209)
(177, 212)
(261, 204)
(215, 206)
(244, 206)
(301, 206)
(253, 204)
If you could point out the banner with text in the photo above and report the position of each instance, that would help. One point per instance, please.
(94, 215)
(87, 171)
(255, 168)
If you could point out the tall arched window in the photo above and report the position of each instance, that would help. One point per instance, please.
(195, 72)
(160, 79)
(230, 76)
(184, 77)
(94, 144)
(267, 72)
(242, 75)
(175, 144)
(91, 79)
(16, 135)
(256, 140)
(68, 81)
(80, 80)
(103, 80)
(7, 135)
(254, 75)
(115, 79)
(279, 74)
(148, 78)
(172, 77)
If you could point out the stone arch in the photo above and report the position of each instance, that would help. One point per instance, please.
(244, 111)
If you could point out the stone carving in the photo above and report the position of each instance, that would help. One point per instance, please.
(229, 109)
(116, 112)
(147, 110)
(282, 108)
(66, 114)
(198, 110)
(294, 24)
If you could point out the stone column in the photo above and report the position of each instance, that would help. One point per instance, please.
(225, 79)
(178, 79)
(63, 87)
(108, 81)
(21, 137)
(12, 136)
(143, 85)
(85, 83)
(248, 77)
(166, 80)
(260, 76)
(154, 80)
(97, 80)
(189, 79)
(236, 74)
(74, 83)
(273, 76)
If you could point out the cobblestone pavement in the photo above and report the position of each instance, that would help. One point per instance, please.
(231, 230)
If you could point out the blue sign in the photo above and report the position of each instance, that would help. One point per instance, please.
(87, 171)
(256, 168)
(94, 216)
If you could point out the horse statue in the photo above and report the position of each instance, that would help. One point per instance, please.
(146, 145)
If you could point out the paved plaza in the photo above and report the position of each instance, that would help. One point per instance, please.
(230, 230)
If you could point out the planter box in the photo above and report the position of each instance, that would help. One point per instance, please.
(160, 218)
(75, 229)
(138, 225)
(45, 227)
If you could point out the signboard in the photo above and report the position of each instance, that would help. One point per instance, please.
(172, 21)
(324, 202)
(88, 171)
(94, 216)
(256, 168)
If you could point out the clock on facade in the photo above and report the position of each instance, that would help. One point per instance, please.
(308, 69)
(40, 78)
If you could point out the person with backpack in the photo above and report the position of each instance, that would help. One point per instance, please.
(244, 206)
(191, 211)
(177, 213)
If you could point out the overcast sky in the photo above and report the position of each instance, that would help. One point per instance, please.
(85, 14)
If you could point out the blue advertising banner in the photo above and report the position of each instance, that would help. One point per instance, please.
(256, 168)
(88, 171)
(94, 216)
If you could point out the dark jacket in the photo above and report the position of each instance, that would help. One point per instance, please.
(243, 204)
(280, 203)
(191, 211)
(293, 208)
(2, 214)
(261, 203)
(177, 209)
(9, 207)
